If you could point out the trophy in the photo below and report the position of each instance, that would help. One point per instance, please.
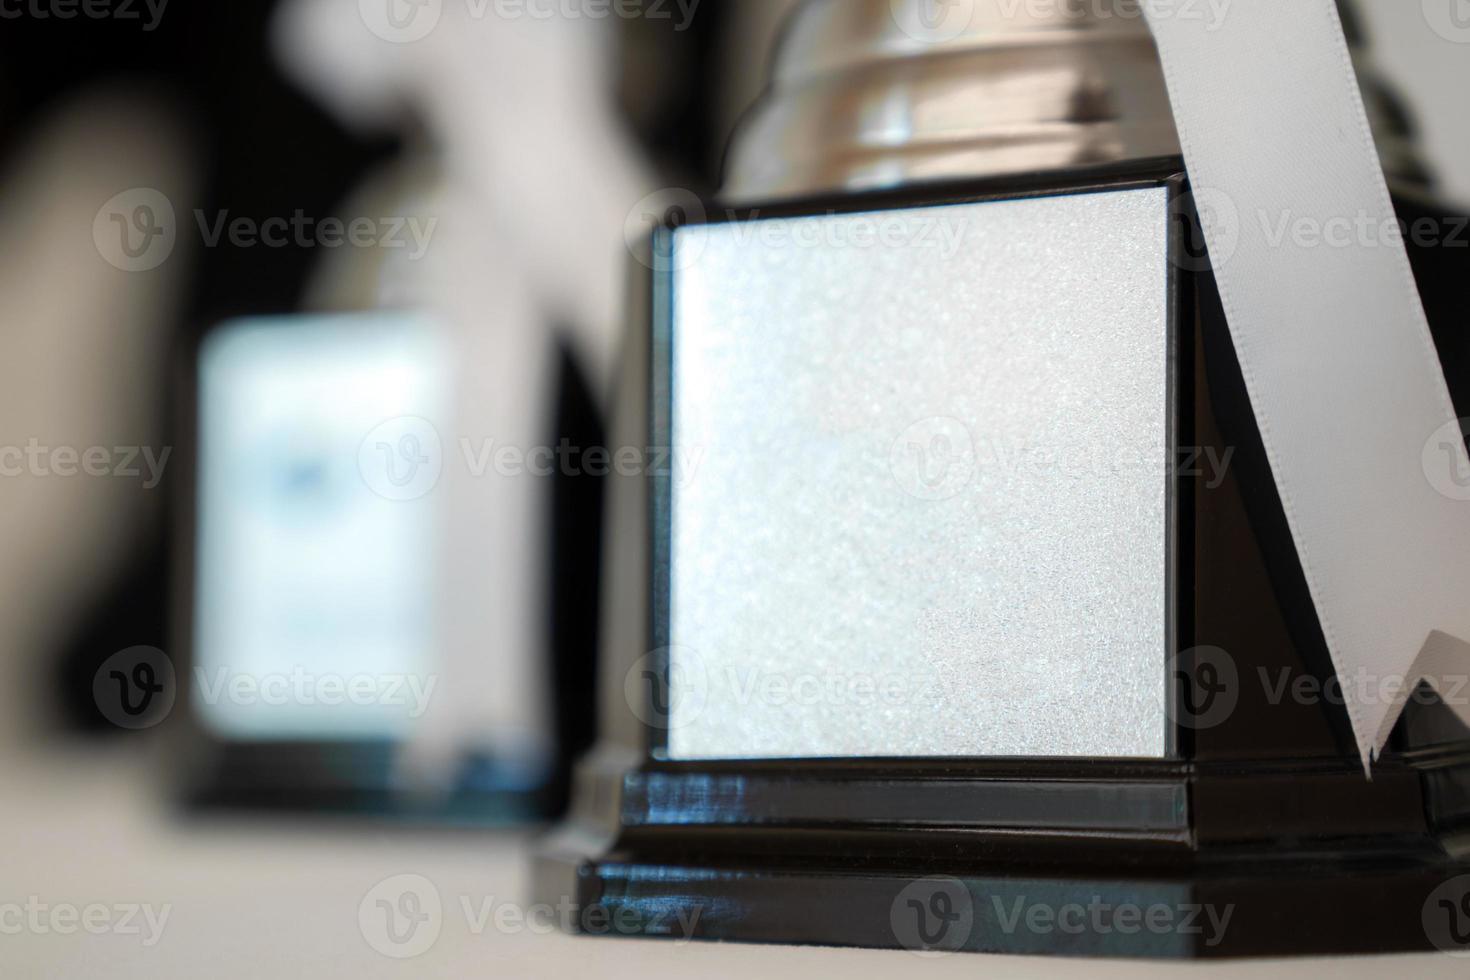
(966, 615)
(308, 602)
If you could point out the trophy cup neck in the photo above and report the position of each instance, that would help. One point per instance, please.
(881, 94)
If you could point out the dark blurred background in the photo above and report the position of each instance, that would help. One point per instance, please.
(193, 98)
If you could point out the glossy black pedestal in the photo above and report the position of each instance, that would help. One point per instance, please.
(1261, 836)
(1078, 861)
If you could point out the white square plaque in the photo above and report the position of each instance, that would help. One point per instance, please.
(925, 504)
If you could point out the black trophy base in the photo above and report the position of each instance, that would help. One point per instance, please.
(1262, 906)
(1108, 861)
(1259, 835)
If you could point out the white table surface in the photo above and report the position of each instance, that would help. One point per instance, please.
(269, 899)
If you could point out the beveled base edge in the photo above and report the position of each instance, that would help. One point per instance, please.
(1253, 858)
(1276, 905)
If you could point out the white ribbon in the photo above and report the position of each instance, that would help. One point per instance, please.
(1332, 339)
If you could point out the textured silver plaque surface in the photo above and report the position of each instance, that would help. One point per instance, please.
(923, 503)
